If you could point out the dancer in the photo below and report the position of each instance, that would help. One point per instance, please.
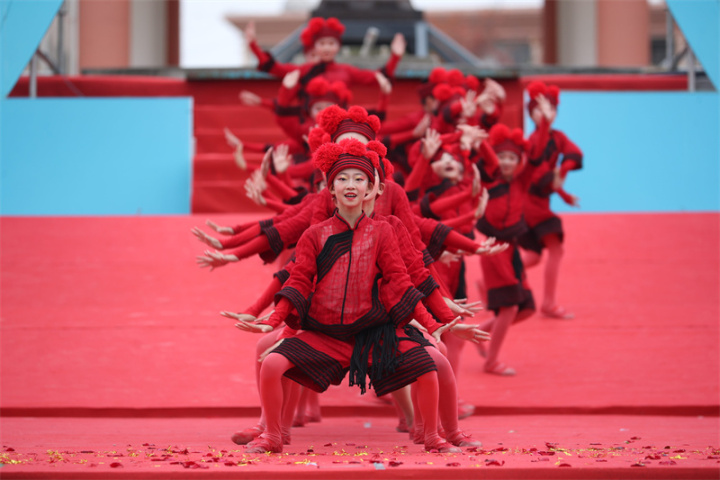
(545, 227)
(508, 295)
(344, 326)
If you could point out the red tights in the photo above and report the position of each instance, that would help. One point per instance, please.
(552, 267)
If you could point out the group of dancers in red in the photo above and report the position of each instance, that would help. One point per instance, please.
(374, 219)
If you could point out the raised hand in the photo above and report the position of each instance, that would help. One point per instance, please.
(219, 229)
(482, 202)
(206, 239)
(398, 45)
(249, 98)
(249, 33)
(546, 108)
(384, 83)
(254, 193)
(290, 79)
(431, 143)
(469, 107)
(280, 157)
(231, 139)
(265, 165)
(422, 126)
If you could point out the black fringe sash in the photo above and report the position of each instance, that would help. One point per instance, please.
(382, 340)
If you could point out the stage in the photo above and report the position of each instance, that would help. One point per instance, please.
(112, 344)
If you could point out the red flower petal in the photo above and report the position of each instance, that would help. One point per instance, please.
(116, 464)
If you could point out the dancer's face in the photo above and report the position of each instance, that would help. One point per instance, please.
(508, 162)
(537, 115)
(311, 56)
(318, 107)
(448, 167)
(326, 48)
(349, 187)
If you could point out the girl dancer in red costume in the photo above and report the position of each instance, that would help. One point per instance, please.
(545, 228)
(504, 164)
(361, 331)
(323, 36)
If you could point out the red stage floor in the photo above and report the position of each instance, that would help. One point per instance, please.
(110, 317)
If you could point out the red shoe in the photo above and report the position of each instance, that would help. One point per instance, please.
(299, 421)
(557, 312)
(441, 446)
(263, 444)
(465, 409)
(461, 439)
(501, 369)
(246, 436)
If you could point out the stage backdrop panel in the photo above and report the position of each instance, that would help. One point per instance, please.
(643, 151)
(23, 24)
(95, 156)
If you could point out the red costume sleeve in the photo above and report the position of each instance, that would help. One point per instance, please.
(415, 180)
(457, 241)
(283, 309)
(266, 62)
(436, 303)
(265, 298)
(538, 142)
(424, 318)
(565, 196)
(243, 237)
(389, 69)
(275, 205)
(397, 292)
(446, 202)
(283, 189)
(572, 155)
(243, 226)
(402, 124)
(298, 287)
(489, 158)
(301, 170)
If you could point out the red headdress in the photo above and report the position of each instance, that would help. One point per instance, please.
(318, 28)
(319, 89)
(385, 168)
(536, 87)
(317, 137)
(437, 75)
(502, 139)
(336, 121)
(332, 158)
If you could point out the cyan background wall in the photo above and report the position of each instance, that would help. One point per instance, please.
(95, 156)
(643, 151)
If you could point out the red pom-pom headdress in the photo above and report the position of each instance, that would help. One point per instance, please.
(437, 75)
(332, 158)
(319, 89)
(317, 137)
(336, 121)
(318, 28)
(502, 139)
(536, 87)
